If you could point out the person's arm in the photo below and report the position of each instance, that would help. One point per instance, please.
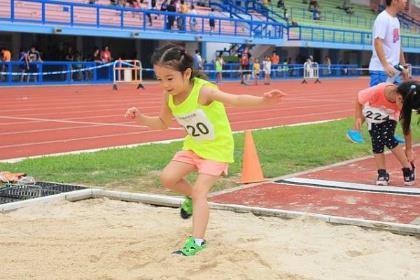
(209, 94)
(358, 115)
(409, 147)
(163, 121)
(404, 73)
(388, 68)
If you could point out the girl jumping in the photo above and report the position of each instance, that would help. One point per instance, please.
(198, 106)
(382, 106)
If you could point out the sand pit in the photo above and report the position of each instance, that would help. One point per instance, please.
(106, 239)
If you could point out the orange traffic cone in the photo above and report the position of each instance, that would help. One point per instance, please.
(251, 168)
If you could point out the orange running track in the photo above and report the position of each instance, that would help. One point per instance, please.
(56, 119)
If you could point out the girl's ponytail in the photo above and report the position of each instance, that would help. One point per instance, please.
(199, 74)
(176, 58)
(411, 101)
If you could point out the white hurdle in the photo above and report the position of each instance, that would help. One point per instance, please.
(127, 71)
(310, 71)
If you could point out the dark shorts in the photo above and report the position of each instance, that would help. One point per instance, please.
(382, 134)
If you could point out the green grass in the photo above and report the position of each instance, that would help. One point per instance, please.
(281, 151)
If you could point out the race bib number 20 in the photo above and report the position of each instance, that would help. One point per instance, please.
(197, 125)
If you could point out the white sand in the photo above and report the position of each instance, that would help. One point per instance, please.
(104, 239)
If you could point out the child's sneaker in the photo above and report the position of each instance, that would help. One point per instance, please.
(383, 178)
(399, 139)
(409, 176)
(355, 136)
(186, 208)
(191, 247)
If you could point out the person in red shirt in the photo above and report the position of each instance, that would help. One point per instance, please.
(106, 55)
(381, 106)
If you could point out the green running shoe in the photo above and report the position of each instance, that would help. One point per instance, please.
(190, 247)
(186, 208)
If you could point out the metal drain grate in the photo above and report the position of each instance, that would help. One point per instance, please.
(16, 192)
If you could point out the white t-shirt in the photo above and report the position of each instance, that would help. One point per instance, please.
(387, 28)
(267, 66)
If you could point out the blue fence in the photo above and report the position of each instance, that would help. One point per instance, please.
(148, 21)
(331, 35)
(101, 16)
(61, 72)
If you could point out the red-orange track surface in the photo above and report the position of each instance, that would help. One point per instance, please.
(45, 120)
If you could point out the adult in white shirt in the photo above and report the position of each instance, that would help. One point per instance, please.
(386, 52)
(386, 44)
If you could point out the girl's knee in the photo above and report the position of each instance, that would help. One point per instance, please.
(198, 194)
(167, 180)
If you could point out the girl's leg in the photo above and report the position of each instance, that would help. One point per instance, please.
(199, 193)
(172, 177)
(400, 155)
(380, 161)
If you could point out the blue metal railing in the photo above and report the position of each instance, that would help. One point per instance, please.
(17, 73)
(323, 34)
(101, 16)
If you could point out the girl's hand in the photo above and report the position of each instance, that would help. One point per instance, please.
(273, 96)
(358, 124)
(132, 113)
(405, 75)
(410, 155)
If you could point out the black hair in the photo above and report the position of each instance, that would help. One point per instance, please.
(175, 58)
(388, 2)
(410, 92)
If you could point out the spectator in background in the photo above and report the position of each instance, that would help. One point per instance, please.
(78, 66)
(327, 63)
(34, 58)
(219, 68)
(286, 15)
(193, 20)
(106, 55)
(289, 62)
(275, 60)
(23, 64)
(197, 61)
(163, 7)
(171, 19)
(212, 22)
(5, 57)
(256, 69)
(312, 5)
(69, 57)
(316, 14)
(280, 4)
(96, 55)
(183, 9)
(244, 61)
(267, 70)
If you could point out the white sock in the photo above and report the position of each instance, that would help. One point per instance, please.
(198, 241)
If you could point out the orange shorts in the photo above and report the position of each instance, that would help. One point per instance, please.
(204, 166)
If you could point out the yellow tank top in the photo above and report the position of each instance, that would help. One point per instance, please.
(208, 128)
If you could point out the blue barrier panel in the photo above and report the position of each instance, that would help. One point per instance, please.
(102, 16)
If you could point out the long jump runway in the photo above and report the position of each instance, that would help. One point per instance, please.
(344, 191)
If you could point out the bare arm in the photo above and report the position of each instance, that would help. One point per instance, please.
(409, 147)
(244, 100)
(163, 121)
(358, 115)
(388, 68)
(405, 73)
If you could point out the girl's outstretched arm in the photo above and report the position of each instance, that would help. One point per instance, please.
(207, 95)
(163, 121)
